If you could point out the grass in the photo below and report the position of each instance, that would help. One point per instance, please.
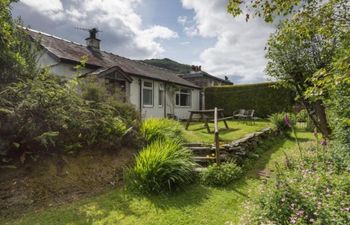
(195, 205)
(237, 129)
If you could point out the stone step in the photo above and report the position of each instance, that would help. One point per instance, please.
(202, 151)
(197, 145)
(200, 169)
(203, 158)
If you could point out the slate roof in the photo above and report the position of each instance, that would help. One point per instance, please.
(205, 74)
(73, 52)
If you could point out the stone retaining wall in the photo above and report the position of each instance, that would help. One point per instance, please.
(242, 148)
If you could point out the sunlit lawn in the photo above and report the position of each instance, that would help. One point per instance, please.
(194, 206)
(237, 129)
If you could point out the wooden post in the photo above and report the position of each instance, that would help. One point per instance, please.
(216, 136)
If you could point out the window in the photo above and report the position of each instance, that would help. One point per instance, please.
(161, 95)
(183, 97)
(147, 93)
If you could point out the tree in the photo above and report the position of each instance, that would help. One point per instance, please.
(308, 37)
(17, 55)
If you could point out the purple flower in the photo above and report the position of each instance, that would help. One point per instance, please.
(324, 142)
(287, 121)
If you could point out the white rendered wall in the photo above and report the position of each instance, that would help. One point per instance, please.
(156, 110)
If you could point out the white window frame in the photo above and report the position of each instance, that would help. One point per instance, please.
(161, 92)
(147, 88)
(178, 92)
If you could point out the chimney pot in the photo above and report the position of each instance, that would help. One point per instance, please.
(93, 42)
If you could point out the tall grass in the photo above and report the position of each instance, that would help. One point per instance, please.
(162, 166)
(162, 129)
(278, 120)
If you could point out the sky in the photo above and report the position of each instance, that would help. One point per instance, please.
(195, 32)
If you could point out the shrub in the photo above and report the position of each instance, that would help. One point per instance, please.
(220, 175)
(161, 129)
(314, 191)
(278, 120)
(302, 116)
(162, 166)
(42, 115)
(264, 98)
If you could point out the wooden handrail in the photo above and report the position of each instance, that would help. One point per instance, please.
(216, 136)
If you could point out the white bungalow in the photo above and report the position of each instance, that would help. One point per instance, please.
(154, 91)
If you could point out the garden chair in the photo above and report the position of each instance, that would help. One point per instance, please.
(250, 116)
(240, 114)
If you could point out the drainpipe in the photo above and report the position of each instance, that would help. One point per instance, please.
(140, 103)
(165, 99)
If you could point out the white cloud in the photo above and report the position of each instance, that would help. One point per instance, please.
(239, 47)
(44, 5)
(52, 8)
(117, 19)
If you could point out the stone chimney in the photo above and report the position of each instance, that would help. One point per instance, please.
(92, 42)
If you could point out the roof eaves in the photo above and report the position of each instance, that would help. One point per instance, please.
(188, 84)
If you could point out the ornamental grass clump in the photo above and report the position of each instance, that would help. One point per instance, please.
(280, 123)
(162, 166)
(221, 175)
(162, 129)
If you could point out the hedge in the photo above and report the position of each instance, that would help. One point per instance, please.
(264, 98)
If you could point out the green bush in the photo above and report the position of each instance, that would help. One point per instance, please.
(278, 120)
(263, 98)
(220, 175)
(42, 115)
(162, 166)
(302, 116)
(316, 190)
(161, 129)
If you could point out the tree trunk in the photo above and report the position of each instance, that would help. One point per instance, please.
(322, 118)
(316, 112)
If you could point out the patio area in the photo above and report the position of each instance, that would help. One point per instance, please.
(197, 132)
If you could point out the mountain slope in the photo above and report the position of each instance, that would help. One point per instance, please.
(169, 64)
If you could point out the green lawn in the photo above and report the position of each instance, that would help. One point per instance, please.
(237, 129)
(196, 205)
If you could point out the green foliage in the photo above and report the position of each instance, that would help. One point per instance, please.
(315, 190)
(43, 115)
(280, 123)
(302, 116)
(220, 175)
(335, 82)
(278, 10)
(17, 55)
(162, 166)
(264, 98)
(161, 129)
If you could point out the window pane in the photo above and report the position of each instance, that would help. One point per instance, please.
(185, 100)
(177, 99)
(147, 97)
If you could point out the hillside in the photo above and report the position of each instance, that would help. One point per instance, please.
(169, 64)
